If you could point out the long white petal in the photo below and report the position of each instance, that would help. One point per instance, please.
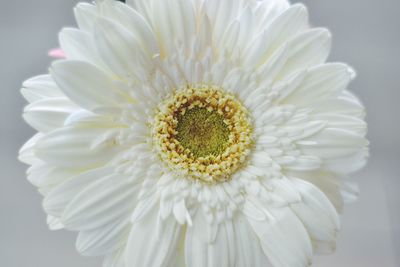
(80, 45)
(282, 29)
(320, 83)
(306, 50)
(316, 212)
(160, 238)
(71, 147)
(105, 239)
(248, 247)
(284, 239)
(119, 48)
(333, 143)
(85, 15)
(56, 201)
(48, 114)
(115, 195)
(115, 258)
(39, 88)
(86, 84)
(133, 21)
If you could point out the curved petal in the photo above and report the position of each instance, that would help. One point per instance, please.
(57, 200)
(308, 49)
(226, 248)
(119, 49)
(80, 45)
(199, 251)
(48, 176)
(105, 239)
(71, 147)
(160, 236)
(174, 22)
(284, 239)
(316, 212)
(333, 143)
(48, 114)
(54, 223)
(248, 247)
(344, 104)
(115, 259)
(282, 29)
(26, 153)
(133, 21)
(319, 84)
(39, 88)
(86, 85)
(111, 198)
(85, 15)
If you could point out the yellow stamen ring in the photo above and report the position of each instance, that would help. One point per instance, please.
(203, 132)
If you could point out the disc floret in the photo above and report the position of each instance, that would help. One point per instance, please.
(203, 132)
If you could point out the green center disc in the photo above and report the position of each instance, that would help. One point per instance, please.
(203, 132)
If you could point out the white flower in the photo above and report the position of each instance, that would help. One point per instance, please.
(195, 133)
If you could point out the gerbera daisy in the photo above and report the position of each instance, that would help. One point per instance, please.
(195, 133)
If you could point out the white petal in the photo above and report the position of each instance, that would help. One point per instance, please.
(282, 29)
(284, 239)
(48, 176)
(84, 117)
(219, 252)
(328, 183)
(308, 49)
(248, 247)
(54, 223)
(316, 212)
(119, 49)
(160, 238)
(115, 259)
(40, 87)
(320, 83)
(333, 143)
(282, 191)
(85, 15)
(184, 20)
(346, 104)
(181, 213)
(350, 164)
(133, 21)
(201, 253)
(143, 7)
(26, 153)
(144, 207)
(222, 14)
(70, 147)
(56, 201)
(48, 114)
(303, 163)
(80, 45)
(349, 123)
(85, 84)
(269, 10)
(252, 211)
(109, 199)
(105, 239)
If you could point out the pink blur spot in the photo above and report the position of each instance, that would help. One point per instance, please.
(56, 53)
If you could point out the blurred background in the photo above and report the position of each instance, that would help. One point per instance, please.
(366, 35)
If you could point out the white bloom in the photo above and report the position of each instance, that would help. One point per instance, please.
(195, 133)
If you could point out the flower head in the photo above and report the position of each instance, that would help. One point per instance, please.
(195, 133)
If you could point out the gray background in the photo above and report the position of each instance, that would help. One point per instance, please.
(366, 35)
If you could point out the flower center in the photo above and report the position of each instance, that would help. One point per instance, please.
(202, 132)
